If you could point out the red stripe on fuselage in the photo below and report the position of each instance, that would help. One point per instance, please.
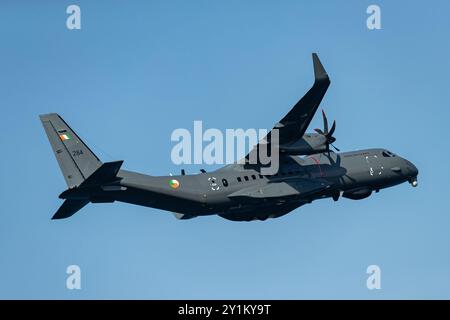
(322, 174)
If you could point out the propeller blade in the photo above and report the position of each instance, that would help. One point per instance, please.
(337, 149)
(325, 122)
(318, 131)
(333, 127)
(328, 134)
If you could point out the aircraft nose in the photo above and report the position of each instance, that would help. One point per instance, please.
(412, 172)
(411, 169)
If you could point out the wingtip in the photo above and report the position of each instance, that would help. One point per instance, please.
(319, 70)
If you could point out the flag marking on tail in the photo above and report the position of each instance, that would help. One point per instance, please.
(64, 137)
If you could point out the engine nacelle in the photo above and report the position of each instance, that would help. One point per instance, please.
(310, 143)
(357, 194)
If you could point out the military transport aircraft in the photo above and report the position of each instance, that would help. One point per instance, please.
(239, 191)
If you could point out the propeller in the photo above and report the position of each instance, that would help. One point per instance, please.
(328, 133)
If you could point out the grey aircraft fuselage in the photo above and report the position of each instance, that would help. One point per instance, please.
(351, 174)
(238, 192)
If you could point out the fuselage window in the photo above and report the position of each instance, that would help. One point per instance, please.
(260, 176)
(387, 154)
(225, 182)
(239, 179)
(245, 178)
(253, 177)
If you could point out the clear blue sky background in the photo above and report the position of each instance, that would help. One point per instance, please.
(136, 72)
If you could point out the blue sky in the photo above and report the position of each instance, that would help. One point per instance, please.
(136, 72)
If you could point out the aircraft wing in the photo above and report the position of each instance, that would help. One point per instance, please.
(299, 188)
(294, 124)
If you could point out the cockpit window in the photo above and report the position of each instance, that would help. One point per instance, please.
(387, 154)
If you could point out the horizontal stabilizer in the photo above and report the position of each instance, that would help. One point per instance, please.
(106, 173)
(69, 208)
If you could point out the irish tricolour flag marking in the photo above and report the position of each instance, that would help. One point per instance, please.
(64, 137)
(174, 183)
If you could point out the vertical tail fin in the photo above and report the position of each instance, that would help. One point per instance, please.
(76, 160)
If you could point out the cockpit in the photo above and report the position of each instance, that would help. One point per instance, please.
(388, 154)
